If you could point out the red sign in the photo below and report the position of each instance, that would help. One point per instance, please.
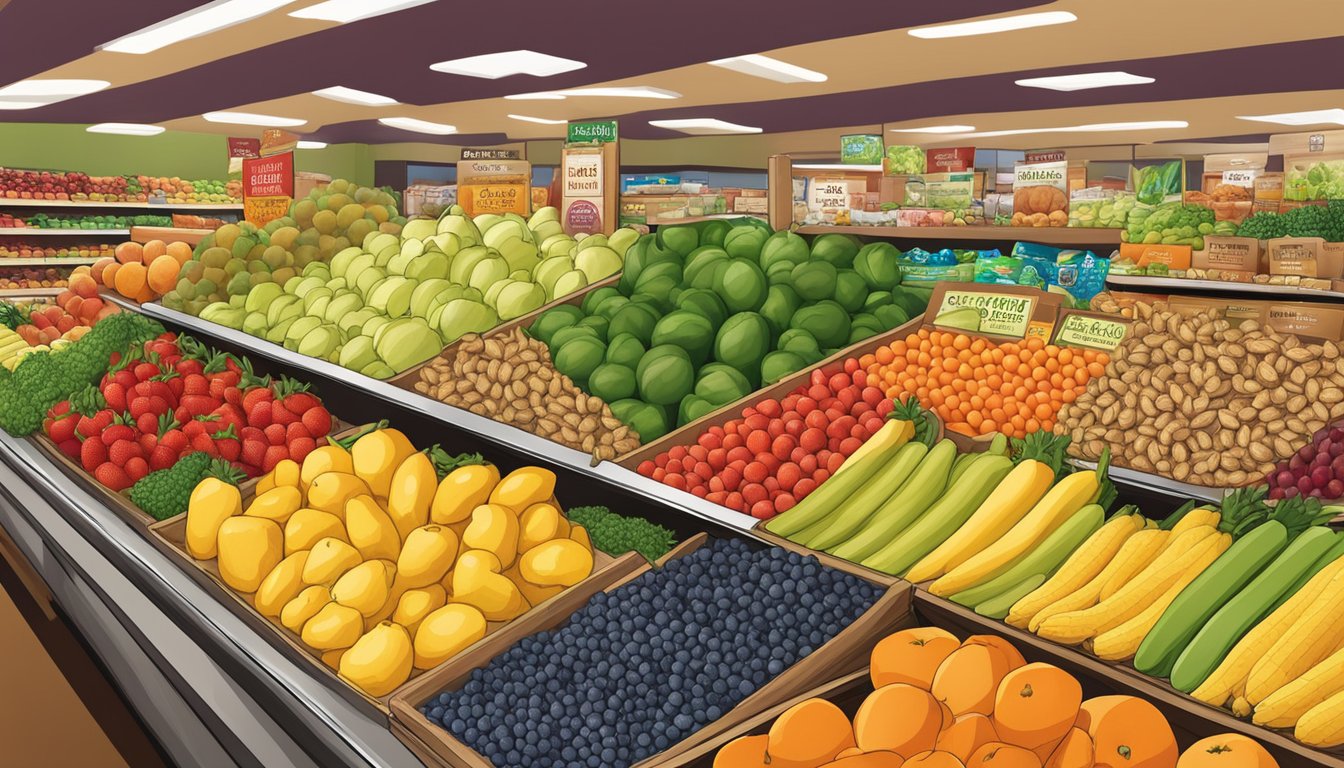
(949, 159)
(244, 148)
(268, 187)
(1053, 156)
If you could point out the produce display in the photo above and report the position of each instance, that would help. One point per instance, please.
(594, 692)
(1201, 400)
(942, 703)
(1325, 221)
(1174, 223)
(778, 450)
(511, 379)
(705, 314)
(21, 249)
(90, 223)
(385, 559)
(12, 279)
(616, 534)
(42, 325)
(142, 272)
(71, 185)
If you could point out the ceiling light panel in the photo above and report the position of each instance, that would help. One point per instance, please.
(936, 129)
(541, 96)
(346, 11)
(492, 66)
(703, 126)
(612, 92)
(305, 144)
(1313, 117)
(993, 26)
(1141, 125)
(538, 120)
(765, 67)
(418, 126)
(208, 18)
(1082, 82)
(352, 96)
(126, 129)
(252, 118)
(30, 94)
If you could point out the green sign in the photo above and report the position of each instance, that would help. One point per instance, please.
(601, 132)
(1000, 314)
(1091, 332)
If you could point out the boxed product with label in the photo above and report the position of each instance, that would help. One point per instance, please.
(939, 190)
(1267, 193)
(1301, 318)
(1146, 255)
(1228, 254)
(861, 149)
(950, 159)
(1040, 194)
(1295, 256)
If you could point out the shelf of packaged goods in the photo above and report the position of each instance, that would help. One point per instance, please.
(1156, 483)
(210, 687)
(668, 222)
(29, 293)
(45, 262)
(39, 232)
(512, 438)
(1149, 282)
(952, 235)
(22, 203)
(169, 234)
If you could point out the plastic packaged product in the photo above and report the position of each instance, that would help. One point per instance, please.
(1095, 207)
(920, 266)
(1082, 274)
(992, 267)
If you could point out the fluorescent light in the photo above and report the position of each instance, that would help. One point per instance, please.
(30, 94)
(208, 18)
(346, 11)
(4, 104)
(252, 118)
(538, 120)
(1084, 81)
(991, 26)
(353, 96)
(127, 129)
(616, 92)
(419, 126)
(1313, 117)
(839, 167)
(1141, 125)
(305, 144)
(936, 129)
(703, 126)
(757, 65)
(493, 66)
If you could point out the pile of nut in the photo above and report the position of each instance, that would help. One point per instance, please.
(1202, 400)
(511, 379)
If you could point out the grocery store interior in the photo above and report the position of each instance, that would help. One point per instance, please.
(905, 385)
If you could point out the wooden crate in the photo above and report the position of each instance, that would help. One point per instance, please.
(846, 651)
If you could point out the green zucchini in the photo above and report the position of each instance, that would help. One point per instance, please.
(920, 491)
(1314, 549)
(1045, 558)
(853, 512)
(1208, 592)
(819, 504)
(944, 517)
(998, 606)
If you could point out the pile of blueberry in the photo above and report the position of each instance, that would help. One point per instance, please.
(639, 669)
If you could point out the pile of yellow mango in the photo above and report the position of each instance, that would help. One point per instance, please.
(379, 565)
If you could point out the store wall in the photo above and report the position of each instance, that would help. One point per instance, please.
(174, 153)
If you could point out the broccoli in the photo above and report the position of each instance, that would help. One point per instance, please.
(165, 493)
(616, 534)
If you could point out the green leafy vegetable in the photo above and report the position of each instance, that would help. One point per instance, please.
(616, 534)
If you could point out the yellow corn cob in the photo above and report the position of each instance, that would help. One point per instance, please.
(1011, 500)
(1123, 641)
(1084, 564)
(1068, 496)
(1228, 681)
(1135, 555)
(1195, 518)
(1284, 707)
(1075, 627)
(1323, 724)
(1307, 641)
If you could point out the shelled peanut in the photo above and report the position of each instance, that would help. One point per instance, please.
(511, 379)
(1205, 400)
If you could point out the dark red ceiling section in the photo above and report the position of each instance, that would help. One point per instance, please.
(391, 54)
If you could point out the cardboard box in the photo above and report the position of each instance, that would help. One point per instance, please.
(1295, 256)
(1228, 254)
(1006, 311)
(1320, 321)
(1330, 261)
(1143, 254)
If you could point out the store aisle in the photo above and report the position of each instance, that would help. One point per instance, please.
(57, 708)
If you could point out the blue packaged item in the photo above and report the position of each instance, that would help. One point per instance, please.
(992, 268)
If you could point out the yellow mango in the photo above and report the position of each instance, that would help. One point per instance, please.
(376, 457)
(411, 493)
(559, 562)
(330, 491)
(212, 502)
(370, 530)
(524, 487)
(461, 491)
(249, 547)
(446, 632)
(334, 626)
(365, 587)
(380, 660)
(306, 527)
(329, 559)
(538, 523)
(276, 504)
(494, 528)
(264, 483)
(478, 580)
(303, 607)
(286, 473)
(282, 584)
(321, 460)
(534, 594)
(580, 534)
(333, 658)
(428, 553)
(416, 604)
(388, 608)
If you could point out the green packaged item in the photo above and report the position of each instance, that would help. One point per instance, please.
(997, 269)
(1155, 184)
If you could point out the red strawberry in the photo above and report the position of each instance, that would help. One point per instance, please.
(259, 415)
(115, 395)
(148, 424)
(126, 378)
(146, 371)
(318, 421)
(148, 442)
(195, 384)
(282, 415)
(175, 439)
(93, 426)
(275, 435)
(71, 448)
(175, 386)
(228, 444)
(256, 395)
(91, 454)
(122, 451)
(295, 431)
(253, 452)
(220, 390)
(300, 448)
(163, 456)
(200, 425)
(190, 366)
(63, 428)
(136, 468)
(274, 455)
(197, 404)
(112, 476)
(119, 431)
(230, 415)
(202, 442)
(301, 402)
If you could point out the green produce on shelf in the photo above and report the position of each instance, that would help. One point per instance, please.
(165, 493)
(1324, 221)
(1321, 180)
(1172, 223)
(1107, 213)
(617, 534)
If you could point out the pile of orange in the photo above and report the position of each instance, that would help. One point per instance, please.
(940, 703)
(143, 272)
(978, 387)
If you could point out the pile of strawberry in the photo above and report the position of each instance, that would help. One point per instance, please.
(174, 397)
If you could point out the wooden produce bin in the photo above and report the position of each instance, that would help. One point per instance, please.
(847, 651)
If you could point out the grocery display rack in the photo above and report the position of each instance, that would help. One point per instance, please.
(1061, 236)
(46, 262)
(28, 203)
(1166, 284)
(44, 232)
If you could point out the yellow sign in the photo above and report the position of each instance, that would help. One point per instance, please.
(1000, 314)
(1091, 332)
(497, 199)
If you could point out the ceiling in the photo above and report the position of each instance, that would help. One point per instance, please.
(1211, 63)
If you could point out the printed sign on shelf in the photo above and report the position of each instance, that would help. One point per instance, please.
(582, 190)
(586, 133)
(491, 154)
(950, 159)
(241, 149)
(495, 186)
(1000, 314)
(1244, 178)
(268, 187)
(1091, 331)
(1051, 156)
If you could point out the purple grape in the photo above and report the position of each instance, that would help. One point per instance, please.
(1306, 452)
(1304, 485)
(1320, 476)
(1286, 479)
(1276, 493)
(1335, 488)
(1337, 434)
